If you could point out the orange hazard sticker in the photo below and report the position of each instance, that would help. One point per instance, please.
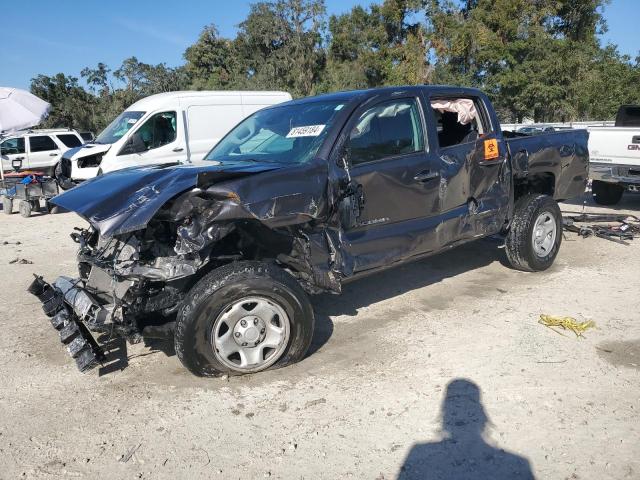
(491, 149)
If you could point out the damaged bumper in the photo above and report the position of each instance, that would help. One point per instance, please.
(68, 307)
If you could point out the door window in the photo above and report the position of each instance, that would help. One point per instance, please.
(159, 130)
(12, 146)
(389, 129)
(69, 140)
(458, 121)
(42, 143)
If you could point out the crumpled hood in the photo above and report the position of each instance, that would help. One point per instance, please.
(125, 200)
(86, 150)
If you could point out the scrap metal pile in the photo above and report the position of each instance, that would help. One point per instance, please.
(620, 228)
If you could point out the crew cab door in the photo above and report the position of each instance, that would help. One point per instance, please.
(396, 180)
(475, 178)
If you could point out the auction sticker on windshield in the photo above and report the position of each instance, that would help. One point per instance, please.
(308, 131)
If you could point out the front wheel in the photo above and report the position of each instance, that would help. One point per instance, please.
(242, 318)
(535, 233)
(64, 183)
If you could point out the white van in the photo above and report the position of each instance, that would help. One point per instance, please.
(174, 127)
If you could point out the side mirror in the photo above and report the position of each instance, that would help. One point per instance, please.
(134, 145)
(16, 163)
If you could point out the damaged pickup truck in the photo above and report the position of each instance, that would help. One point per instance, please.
(299, 199)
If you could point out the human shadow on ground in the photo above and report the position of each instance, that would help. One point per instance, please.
(463, 453)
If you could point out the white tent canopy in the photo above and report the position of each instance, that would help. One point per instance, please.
(20, 109)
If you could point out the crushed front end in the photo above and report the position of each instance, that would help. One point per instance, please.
(125, 282)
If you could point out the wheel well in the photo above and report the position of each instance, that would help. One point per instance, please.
(543, 183)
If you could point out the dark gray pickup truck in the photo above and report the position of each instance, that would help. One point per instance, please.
(299, 199)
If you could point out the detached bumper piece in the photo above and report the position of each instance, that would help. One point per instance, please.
(61, 303)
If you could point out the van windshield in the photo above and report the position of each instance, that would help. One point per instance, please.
(289, 134)
(121, 125)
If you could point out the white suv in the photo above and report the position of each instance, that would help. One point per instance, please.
(39, 150)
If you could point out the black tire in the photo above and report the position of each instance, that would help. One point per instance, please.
(211, 296)
(7, 205)
(605, 193)
(25, 208)
(519, 242)
(63, 182)
(50, 207)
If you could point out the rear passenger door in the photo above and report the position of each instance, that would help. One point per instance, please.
(475, 177)
(389, 160)
(43, 154)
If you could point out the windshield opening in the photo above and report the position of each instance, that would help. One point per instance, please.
(119, 127)
(289, 134)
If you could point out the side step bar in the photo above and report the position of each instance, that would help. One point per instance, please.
(80, 344)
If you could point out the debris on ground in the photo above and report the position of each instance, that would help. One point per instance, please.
(619, 228)
(21, 261)
(566, 323)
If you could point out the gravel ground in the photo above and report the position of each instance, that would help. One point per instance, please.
(424, 370)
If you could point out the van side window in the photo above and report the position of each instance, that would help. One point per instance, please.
(458, 120)
(42, 143)
(389, 129)
(159, 130)
(12, 146)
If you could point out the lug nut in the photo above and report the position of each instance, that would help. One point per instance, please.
(257, 343)
(255, 321)
(237, 334)
(262, 331)
(243, 323)
(244, 344)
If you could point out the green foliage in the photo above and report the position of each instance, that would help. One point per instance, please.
(539, 59)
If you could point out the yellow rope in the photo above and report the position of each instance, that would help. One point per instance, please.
(566, 323)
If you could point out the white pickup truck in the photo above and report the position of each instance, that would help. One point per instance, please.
(614, 152)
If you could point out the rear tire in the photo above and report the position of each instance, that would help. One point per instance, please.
(535, 233)
(7, 205)
(205, 318)
(605, 193)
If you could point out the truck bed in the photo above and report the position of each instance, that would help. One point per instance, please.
(565, 154)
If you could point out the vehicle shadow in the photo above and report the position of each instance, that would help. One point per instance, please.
(117, 355)
(399, 280)
(629, 201)
(463, 451)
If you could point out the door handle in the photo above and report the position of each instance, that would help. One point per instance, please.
(19, 158)
(426, 175)
(178, 149)
(53, 154)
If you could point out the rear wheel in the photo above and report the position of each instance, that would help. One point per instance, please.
(243, 318)
(535, 233)
(7, 205)
(605, 193)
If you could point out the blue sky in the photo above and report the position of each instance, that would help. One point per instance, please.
(42, 36)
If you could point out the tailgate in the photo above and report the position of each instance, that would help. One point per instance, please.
(614, 145)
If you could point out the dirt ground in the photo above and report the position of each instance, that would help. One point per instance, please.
(426, 368)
